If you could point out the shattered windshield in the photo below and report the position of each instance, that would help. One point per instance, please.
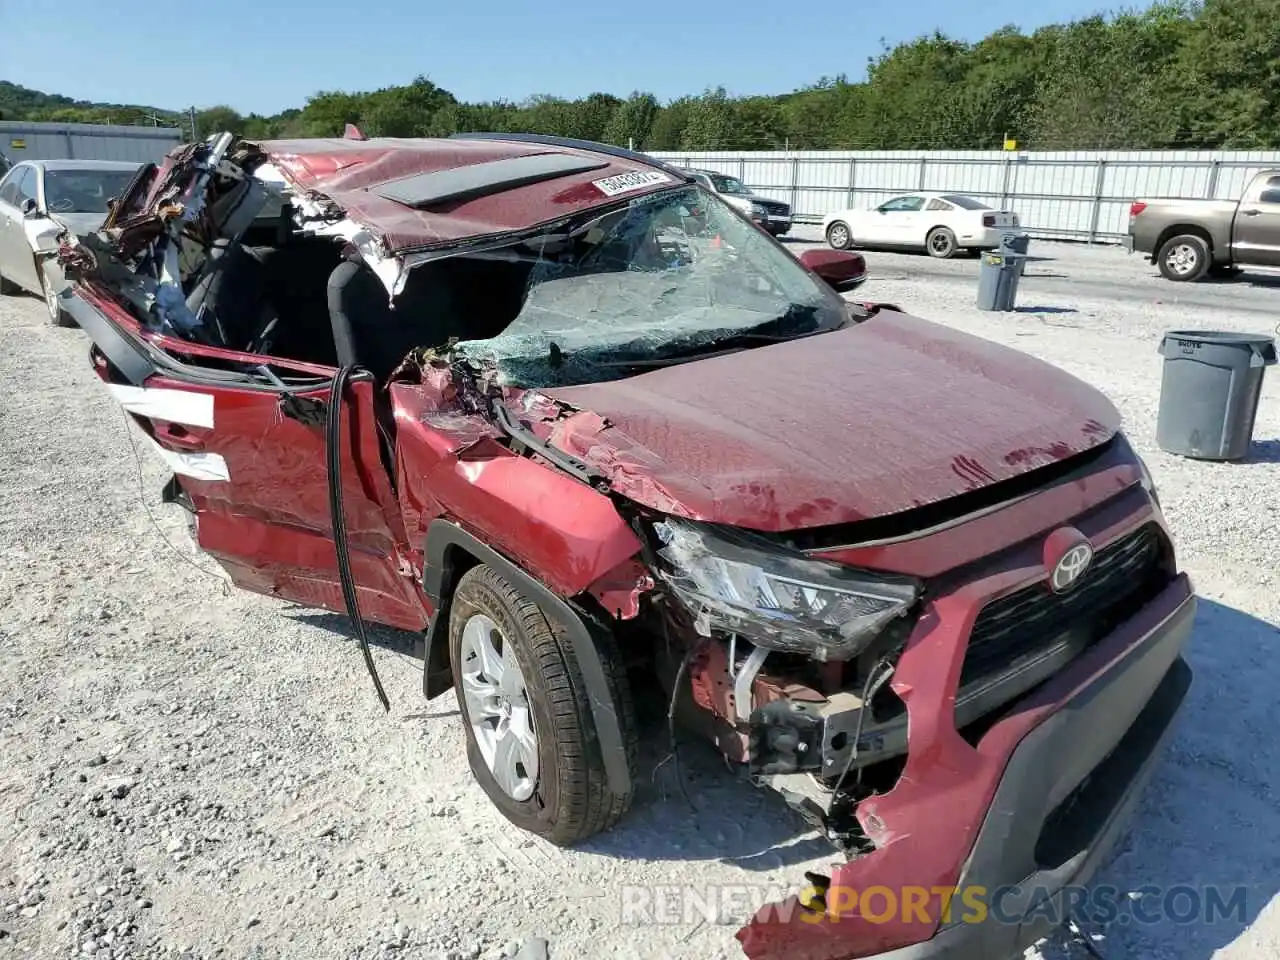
(668, 276)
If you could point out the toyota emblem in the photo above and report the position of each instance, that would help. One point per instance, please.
(1071, 566)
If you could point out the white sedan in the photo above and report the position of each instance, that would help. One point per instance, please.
(941, 223)
(38, 200)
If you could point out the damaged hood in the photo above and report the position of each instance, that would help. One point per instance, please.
(867, 421)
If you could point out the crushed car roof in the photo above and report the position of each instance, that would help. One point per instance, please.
(422, 193)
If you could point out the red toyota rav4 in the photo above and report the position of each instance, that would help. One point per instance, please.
(556, 406)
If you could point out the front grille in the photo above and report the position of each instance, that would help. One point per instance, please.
(1122, 576)
(775, 207)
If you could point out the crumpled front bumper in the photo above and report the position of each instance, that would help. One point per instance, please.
(992, 817)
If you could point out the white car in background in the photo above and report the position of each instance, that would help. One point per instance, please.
(38, 200)
(942, 224)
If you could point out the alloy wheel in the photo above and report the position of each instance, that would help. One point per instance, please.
(497, 704)
(1183, 259)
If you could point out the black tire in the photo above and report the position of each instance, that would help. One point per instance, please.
(8, 288)
(941, 243)
(1184, 259)
(839, 237)
(571, 798)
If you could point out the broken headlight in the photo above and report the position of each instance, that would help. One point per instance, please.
(733, 582)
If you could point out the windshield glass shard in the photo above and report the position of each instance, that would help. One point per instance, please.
(664, 276)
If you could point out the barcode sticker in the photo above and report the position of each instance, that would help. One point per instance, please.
(626, 182)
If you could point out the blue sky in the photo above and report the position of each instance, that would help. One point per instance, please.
(265, 55)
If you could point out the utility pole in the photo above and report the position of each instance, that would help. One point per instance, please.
(192, 113)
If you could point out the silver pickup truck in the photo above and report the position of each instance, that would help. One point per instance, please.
(1188, 239)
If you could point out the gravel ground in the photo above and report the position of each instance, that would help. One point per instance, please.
(191, 771)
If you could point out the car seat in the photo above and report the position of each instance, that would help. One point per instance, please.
(370, 331)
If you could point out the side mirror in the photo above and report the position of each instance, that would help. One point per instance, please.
(29, 207)
(839, 269)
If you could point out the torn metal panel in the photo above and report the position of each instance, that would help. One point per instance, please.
(619, 591)
(923, 831)
(452, 462)
(542, 519)
(348, 172)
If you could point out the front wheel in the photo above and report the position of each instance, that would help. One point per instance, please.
(57, 316)
(531, 740)
(941, 243)
(838, 236)
(1184, 259)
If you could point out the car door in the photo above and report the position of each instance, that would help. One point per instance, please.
(28, 224)
(1256, 235)
(894, 221)
(248, 454)
(16, 260)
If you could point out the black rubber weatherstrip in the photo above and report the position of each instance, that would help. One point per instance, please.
(338, 520)
(443, 534)
(121, 351)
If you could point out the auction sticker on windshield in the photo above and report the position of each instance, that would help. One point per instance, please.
(626, 182)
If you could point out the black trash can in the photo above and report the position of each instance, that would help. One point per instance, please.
(998, 280)
(1209, 392)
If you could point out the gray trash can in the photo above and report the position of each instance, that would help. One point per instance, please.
(998, 280)
(1016, 244)
(1209, 392)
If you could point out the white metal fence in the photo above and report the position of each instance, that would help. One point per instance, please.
(1067, 195)
(21, 140)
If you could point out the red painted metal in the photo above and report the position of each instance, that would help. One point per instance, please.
(272, 516)
(835, 266)
(347, 171)
(562, 531)
(269, 524)
(926, 825)
(968, 542)
(890, 414)
(187, 350)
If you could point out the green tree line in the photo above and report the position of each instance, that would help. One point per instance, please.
(1182, 73)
